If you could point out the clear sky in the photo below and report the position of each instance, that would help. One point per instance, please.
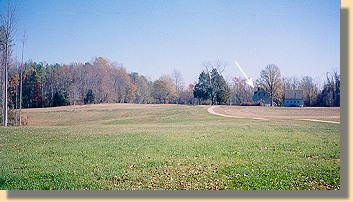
(154, 37)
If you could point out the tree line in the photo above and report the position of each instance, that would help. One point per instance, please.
(100, 81)
(50, 85)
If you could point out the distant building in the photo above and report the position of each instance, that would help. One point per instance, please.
(293, 98)
(261, 96)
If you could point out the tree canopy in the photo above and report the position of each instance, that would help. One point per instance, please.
(212, 85)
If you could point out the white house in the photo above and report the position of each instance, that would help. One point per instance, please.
(293, 98)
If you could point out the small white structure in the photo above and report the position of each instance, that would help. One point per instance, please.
(293, 98)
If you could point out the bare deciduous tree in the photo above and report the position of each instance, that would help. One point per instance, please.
(240, 91)
(178, 81)
(291, 83)
(218, 65)
(8, 24)
(330, 94)
(2, 38)
(23, 40)
(270, 81)
(310, 90)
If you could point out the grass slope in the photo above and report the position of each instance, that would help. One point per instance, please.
(165, 147)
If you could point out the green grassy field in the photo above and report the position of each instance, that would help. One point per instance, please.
(166, 147)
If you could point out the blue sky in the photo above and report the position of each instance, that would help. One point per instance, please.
(154, 37)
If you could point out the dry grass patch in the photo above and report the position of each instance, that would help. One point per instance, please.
(294, 113)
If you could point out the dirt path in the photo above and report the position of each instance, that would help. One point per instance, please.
(211, 111)
(323, 115)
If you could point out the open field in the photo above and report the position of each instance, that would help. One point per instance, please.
(126, 146)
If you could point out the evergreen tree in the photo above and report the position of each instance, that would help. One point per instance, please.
(59, 100)
(89, 99)
(212, 86)
(201, 90)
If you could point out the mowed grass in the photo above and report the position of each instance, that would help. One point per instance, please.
(163, 147)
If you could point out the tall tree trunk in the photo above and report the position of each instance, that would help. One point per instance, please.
(16, 105)
(5, 84)
(271, 100)
(21, 91)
